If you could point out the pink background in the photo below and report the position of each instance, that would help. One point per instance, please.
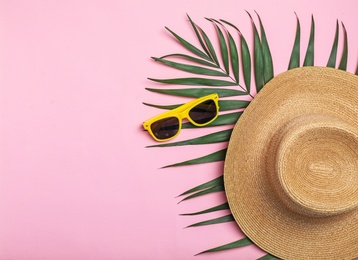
(76, 181)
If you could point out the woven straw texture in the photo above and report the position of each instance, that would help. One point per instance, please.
(291, 170)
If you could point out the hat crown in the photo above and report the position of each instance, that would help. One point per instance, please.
(315, 166)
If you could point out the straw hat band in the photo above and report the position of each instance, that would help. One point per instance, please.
(314, 165)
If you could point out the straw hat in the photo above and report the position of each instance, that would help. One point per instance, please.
(291, 170)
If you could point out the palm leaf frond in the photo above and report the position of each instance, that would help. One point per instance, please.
(266, 55)
(219, 181)
(245, 57)
(268, 257)
(295, 54)
(198, 35)
(190, 68)
(223, 46)
(213, 157)
(223, 206)
(258, 58)
(225, 119)
(344, 59)
(239, 243)
(216, 188)
(333, 56)
(223, 219)
(224, 105)
(218, 137)
(234, 57)
(168, 107)
(190, 58)
(189, 46)
(246, 62)
(198, 92)
(196, 82)
(309, 58)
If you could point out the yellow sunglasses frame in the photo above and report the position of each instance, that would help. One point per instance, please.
(182, 112)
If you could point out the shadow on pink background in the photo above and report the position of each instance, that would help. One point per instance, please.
(76, 181)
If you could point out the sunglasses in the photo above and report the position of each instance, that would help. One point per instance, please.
(199, 112)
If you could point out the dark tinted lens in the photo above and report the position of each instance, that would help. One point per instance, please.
(204, 112)
(165, 128)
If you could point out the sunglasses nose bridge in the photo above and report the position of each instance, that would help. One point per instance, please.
(185, 115)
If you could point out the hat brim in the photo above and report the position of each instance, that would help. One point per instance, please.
(253, 203)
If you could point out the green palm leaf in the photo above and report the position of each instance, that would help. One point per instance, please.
(191, 68)
(213, 157)
(198, 92)
(258, 58)
(239, 243)
(268, 257)
(198, 36)
(190, 58)
(168, 107)
(344, 59)
(295, 54)
(219, 181)
(224, 105)
(245, 57)
(246, 62)
(196, 82)
(234, 57)
(216, 188)
(225, 119)
(309, 58)
(218, 137)
(333, 56)
(232, 104)
(223, 206)
(189, 46)
(223, 219)
(266, 54)
(210, 47)
(223, 47)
